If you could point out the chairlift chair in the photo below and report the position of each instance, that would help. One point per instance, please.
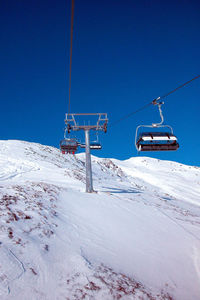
(68, 145)
(93, 146)
(154, 140)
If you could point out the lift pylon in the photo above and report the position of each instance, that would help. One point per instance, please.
(100, 124)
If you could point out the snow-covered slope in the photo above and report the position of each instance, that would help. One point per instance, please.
(138, 237)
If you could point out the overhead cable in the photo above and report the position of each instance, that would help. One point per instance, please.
(153, 102)
(70, 64)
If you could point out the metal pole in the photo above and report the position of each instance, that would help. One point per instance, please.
(88, 165)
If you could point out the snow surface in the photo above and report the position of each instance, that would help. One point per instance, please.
(137, 237)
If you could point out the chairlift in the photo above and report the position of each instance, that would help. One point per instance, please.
(154, 140)
(93, 146)
(68, 145)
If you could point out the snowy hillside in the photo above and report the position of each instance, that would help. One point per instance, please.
(138, 237)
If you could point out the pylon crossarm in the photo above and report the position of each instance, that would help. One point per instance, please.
(100, 124)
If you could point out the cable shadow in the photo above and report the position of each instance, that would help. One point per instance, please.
(122, 191)
(166, 198)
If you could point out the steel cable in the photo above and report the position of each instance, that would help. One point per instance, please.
(153, 102)
(70, 65)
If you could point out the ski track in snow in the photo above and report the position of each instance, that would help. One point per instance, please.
(136, 238)
(4, 279)
(196, 251)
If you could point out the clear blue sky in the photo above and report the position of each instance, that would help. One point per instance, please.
(125, 54)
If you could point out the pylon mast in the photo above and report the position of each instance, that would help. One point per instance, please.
(88, 163)
(101, 124)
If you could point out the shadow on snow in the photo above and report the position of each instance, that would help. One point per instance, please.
(122, 191)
